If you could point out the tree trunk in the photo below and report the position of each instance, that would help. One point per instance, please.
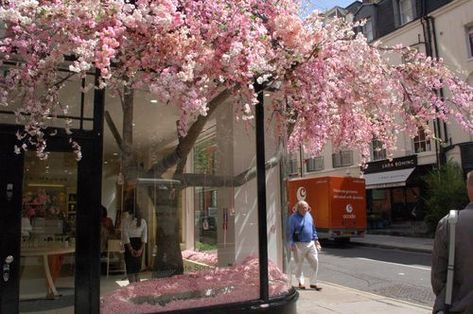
(128, 162)
(168, 259)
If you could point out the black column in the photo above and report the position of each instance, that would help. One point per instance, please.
(89, 195)
(261, 183)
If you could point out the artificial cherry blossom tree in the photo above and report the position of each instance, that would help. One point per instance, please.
(327, 82)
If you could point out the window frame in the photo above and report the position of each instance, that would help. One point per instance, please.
(424, 143)
(318, 164)
(364, 29)
(292, 167)
(403, 17)
(377, 150)
(469, 40)
(342, 158)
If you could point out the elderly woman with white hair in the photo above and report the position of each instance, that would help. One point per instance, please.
(304, 243)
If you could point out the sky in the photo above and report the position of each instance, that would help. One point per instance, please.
(328, 4)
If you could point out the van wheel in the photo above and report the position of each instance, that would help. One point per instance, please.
(344, 240)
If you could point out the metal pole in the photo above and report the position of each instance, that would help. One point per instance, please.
(261, 183)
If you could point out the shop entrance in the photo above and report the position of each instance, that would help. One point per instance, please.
(45, 229)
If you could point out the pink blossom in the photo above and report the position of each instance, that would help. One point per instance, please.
(327, 83)
(223, 285)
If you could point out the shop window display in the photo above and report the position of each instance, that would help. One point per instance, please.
(201, 213)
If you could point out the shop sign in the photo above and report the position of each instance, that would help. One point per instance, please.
(391, 165)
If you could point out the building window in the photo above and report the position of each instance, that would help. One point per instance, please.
(315, 164)
(469, 34)
(292, 167)
(343, 158)
(367, 29)
(379, 153)
(421, 142)
(406, 11)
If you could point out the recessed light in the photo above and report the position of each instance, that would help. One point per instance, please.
(154, 101)
(105, 162)
(115, 154)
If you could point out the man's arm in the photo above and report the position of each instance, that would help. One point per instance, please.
(315, 237)
(291, 230)
(440, 257)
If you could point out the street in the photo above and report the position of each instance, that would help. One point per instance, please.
(392, 273)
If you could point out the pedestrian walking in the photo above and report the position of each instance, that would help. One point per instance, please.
(304, 243)
(462, 287)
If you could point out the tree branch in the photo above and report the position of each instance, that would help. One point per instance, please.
(187, 142)
(197, 179)
(113, 129)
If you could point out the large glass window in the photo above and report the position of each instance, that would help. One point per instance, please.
(74, 109)
(196, 201)
(205, 198)
(379, 208)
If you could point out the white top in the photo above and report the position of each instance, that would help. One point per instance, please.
(130, 230)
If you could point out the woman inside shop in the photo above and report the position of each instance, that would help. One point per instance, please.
(135, 233)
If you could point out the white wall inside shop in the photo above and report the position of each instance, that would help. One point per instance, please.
(241, 238)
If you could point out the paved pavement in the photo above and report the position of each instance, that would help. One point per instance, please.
(339, 299)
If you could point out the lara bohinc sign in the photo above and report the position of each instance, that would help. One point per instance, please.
(390, 165)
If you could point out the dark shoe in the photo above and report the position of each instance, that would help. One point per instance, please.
(317, 288)
(302, 287)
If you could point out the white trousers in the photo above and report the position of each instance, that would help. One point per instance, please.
(306, 250)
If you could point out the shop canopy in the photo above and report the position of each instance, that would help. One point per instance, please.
(387, 179)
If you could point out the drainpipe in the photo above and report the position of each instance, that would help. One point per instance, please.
(430, 37)
(301, 160)
(442, 95)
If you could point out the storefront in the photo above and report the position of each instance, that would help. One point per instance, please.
(218, 203)
(393, 190)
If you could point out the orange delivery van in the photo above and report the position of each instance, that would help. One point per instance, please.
(338, 204)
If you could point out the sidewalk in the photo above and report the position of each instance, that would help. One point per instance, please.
(338, 299)
(423, 245)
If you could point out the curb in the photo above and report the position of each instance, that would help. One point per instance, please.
(389, 246)
(377, 296)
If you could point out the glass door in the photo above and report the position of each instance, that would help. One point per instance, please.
(38, 204)
(48, 233)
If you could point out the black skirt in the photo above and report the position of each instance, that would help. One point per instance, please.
(133, 264)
